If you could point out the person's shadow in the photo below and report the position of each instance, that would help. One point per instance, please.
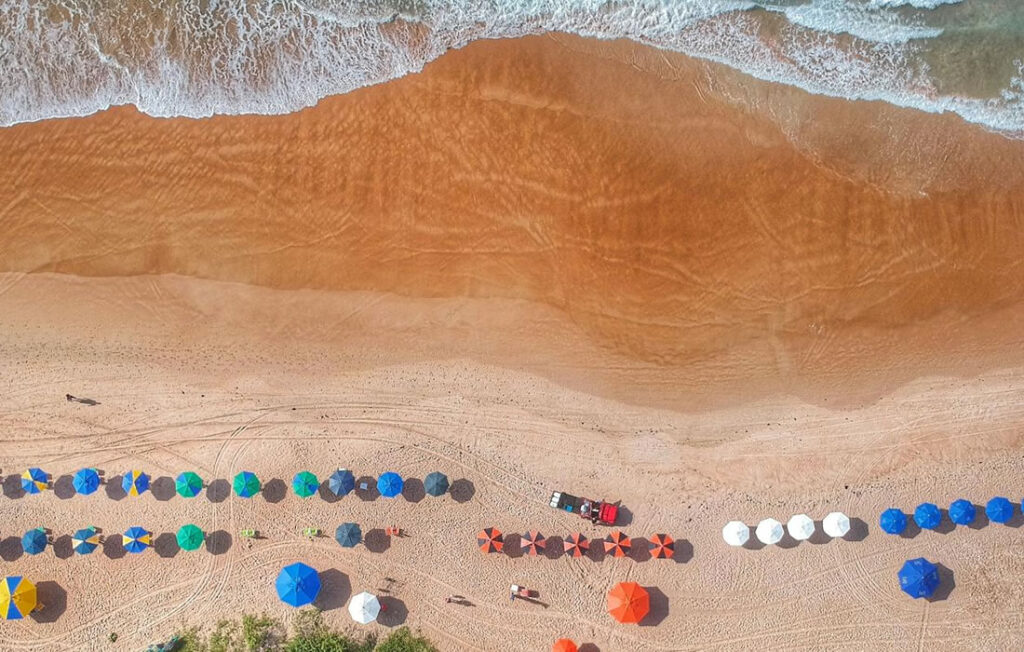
(54, 601)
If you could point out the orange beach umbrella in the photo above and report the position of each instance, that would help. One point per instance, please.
(576, 545)
(489, 540)
(533, 542)
(628, 602)
(617, 544)
(564, 645)
(662, 546)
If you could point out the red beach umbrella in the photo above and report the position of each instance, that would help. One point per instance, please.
(489, 540)
(576, 545)
(533, 542)
(662, 546)
(564, 645)
(628, 602)
(617, 544)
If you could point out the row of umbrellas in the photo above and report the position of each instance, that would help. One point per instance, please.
(928, 516)
(616, 544)
(245, 484)
(134, 539)
(298, 585)
(800, 527)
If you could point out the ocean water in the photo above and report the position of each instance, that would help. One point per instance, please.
(196, 58)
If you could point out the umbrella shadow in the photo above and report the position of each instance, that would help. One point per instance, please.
(376, 540)
(218, 490)
(393, 611)
(596, 550)
(625, 517)
(335, 590)
(62, 548)
(554, 547)
(858, 530)
(753, 543)
(64, 487)
(684, 551)
(589, 647)
(218, 542)
(980, 518)
(12, 487)
(162, 488)
(640, 551)
(513, 547)
(113, 548)
(462, 490)
(54, 601)
(114, 489)
(274, 491)
(946, 584)
(366, 488)
(10, 549)
(1017, 520)
(911, 531)
(413, 490)
(326, 494)
(946, 524)
(166, 545)
(818, 537)
(659, 607)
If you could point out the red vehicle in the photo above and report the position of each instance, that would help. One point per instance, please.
(597, 511)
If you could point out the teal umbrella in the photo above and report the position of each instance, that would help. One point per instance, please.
(305, 484)
(188, 484)
(246, 484)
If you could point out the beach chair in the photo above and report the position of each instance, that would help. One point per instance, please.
(311, 532)
(248, 534)
(393, 531)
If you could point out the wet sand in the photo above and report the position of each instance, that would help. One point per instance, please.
(540, 264)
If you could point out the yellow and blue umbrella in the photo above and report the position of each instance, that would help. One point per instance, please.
(86, 481)
(35, 481)
(135, 539)
(85, 540)
(135, 483)
(34, 541)
(389, 484)
(17, 597)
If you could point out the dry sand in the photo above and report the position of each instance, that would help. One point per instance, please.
(540, 264)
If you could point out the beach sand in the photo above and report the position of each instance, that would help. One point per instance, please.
(541, 264)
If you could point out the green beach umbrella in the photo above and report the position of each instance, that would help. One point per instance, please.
(190, 537)
(188, 484)
(305, 484)
(246, 484)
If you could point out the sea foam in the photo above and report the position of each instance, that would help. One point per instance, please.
(196, 58)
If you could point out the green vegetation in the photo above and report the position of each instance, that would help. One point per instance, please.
(309, 633)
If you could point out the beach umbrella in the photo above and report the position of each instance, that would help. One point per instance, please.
(919, 578)
(190, 537)
(962, 512)
(348, 535)
(617, 544)
(364, 608)
(999, 510)
(769, 531)
(836, 524)
(662, 546)
(436, 483)
(86, 481)
(305, 484)
(564, 645)
(136, 539)
(927, 516)
(17, 597)
(533, 542)
(576, 545)
(389, 484)
(628, 602)
(35, 481)
(85, 540)
(341, 482)
(892, 521)
(246, 484)
(34, 541)
(736, 533)
(188, 484)
(800, 527)
(135, 482)
(489, 539)
(298, 584)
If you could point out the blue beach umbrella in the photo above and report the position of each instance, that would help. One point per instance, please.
(35, 480)
(17, 598)
(436, 483)
(962, 512)
(893, 521)
(305, 484)
(341, 482)
(85, 540)
(34, 541)
(135, 539)
(246, 484)
(928, 516)
(297, 585)
(188, 484)
(348, 535)
(135, 482)
(389, 484)
(999, 510)
(86, 481)
(919, 578)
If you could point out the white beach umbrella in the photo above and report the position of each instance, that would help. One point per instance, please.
(800, 527)
(735, 533)
(769, 531)
(836, 524)
(364, 608)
